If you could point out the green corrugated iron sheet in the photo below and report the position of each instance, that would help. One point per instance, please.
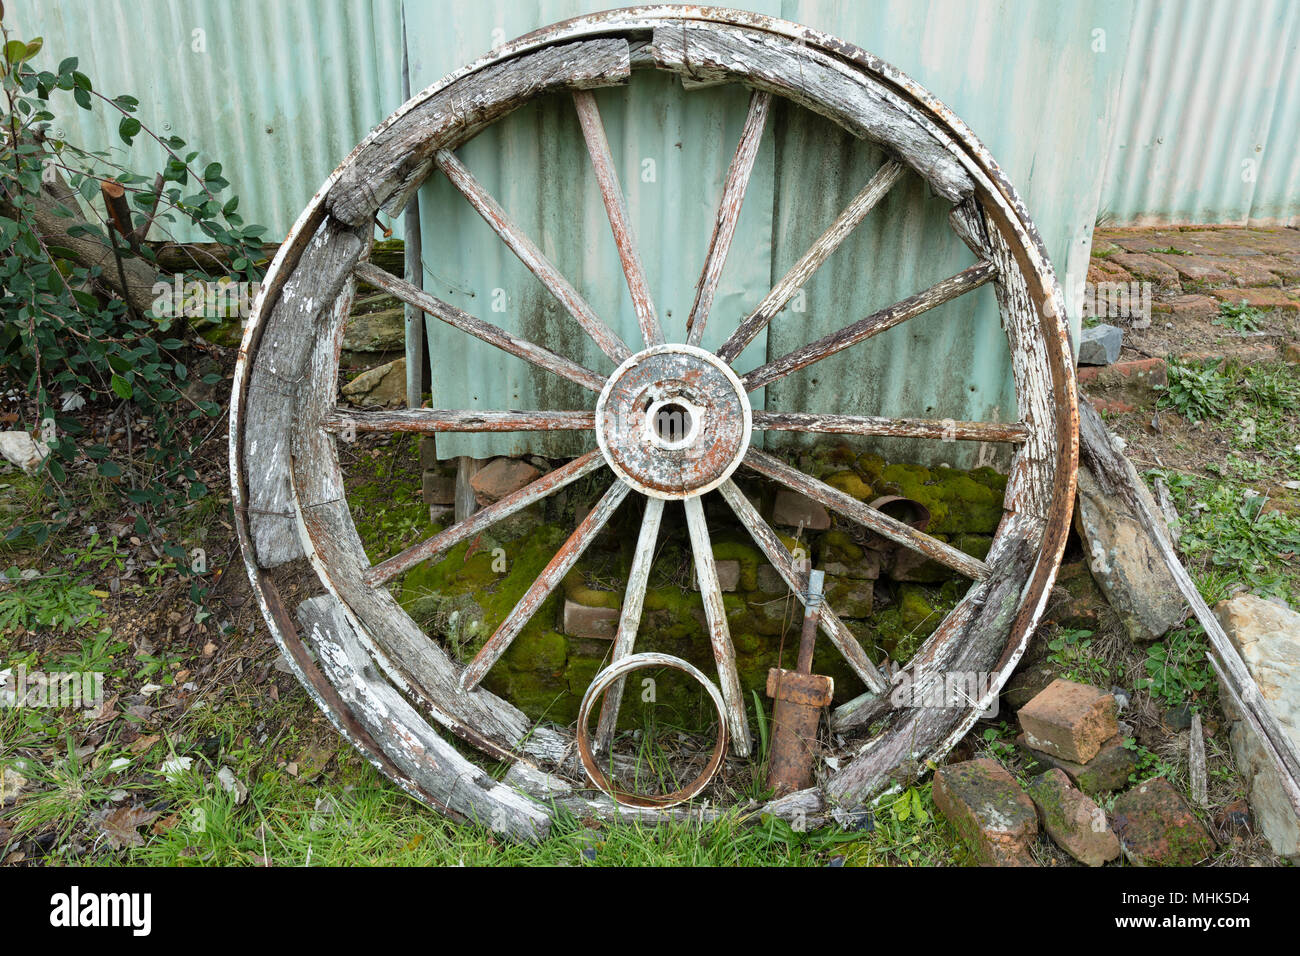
(278, 91)
(1208, 124)
(1140, 110)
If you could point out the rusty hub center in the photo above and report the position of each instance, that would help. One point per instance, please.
(673, 421)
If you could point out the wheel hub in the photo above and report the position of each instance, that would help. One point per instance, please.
(673, 421)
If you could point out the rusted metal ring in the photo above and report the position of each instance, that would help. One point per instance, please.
(596, 690)
(920, 514)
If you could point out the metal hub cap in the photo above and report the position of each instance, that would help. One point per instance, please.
(673, 421)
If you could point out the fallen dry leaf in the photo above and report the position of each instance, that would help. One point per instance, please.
(141, 744)
(120, 825)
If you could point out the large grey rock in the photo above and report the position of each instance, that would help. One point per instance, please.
(1268, 637)
(385, 385)
(1125, 563)
(1100, 345)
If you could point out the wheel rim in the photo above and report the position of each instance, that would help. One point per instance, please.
(289, 492)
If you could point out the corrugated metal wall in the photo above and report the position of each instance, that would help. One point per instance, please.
(1142, 110)
(1208, 125)
(276, 91)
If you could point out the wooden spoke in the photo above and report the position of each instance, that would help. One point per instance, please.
(482, 520)
(531, 256)
(546, 582)
(630, 618)
(486, 331)
(715, 613)
(724, 229)
(430, 421)
(865, 515)
(593, 130)
(877, 322)
(944, 429)
(797, 581)
(812, 260)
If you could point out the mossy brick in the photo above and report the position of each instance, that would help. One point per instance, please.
(1156, 827)
(850, 597)
(992, 815)
(1071, 720)
(1074, 822)
(1105, 773)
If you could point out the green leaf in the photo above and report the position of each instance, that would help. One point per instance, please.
(128, 128)
(122, 387)
(110, 469)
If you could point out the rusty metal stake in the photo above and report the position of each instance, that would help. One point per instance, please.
(800, 696)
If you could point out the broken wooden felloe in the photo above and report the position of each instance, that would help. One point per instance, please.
(351, 644)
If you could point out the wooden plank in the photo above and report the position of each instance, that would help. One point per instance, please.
(865, 515)
(724, 227)
(820, 82)
(593, 131)
(830, 240)
(485, 331)
(797, 581)
(418, 750)
(386, 168)
(546, 582)
(483, 519)
(429, 421)
(715, 613)
(629, 619)
(606, 339)
(939, 293)
(944, 429)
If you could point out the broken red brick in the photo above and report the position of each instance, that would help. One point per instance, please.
(1070, 720)
(1112, 406)
(1105, 773)
(600, 623)
(1248, 270)
(991, 813)
(501, 477)
(1076, 824)
(1194, 306)
(1144, 266)
(1269, 298)
(1194, 268)
(1152, 371)
(1157, 828)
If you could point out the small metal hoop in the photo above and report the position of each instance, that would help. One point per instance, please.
(596, 690)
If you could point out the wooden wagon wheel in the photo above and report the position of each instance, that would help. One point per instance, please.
(383, 681)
